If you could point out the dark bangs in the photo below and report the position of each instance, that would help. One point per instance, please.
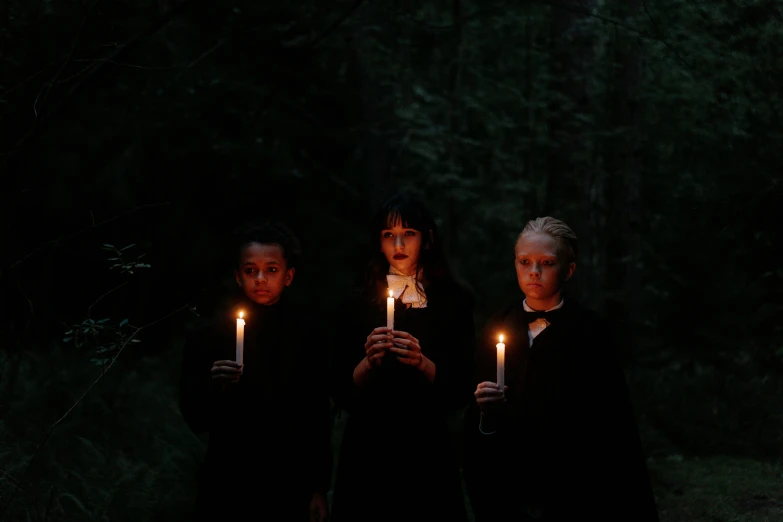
(403, 210)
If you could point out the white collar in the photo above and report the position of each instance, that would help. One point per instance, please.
(403, 287)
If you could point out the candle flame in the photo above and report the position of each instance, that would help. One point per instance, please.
(501, 338)
(241, 314)
(390, 293)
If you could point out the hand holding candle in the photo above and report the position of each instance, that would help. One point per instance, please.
(240, 337)
(501, 364)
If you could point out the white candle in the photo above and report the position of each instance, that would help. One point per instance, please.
(240, 337)
(501, 363)
(390, 310)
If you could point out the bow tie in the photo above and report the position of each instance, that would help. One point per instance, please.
(549, 316)
(404, 288)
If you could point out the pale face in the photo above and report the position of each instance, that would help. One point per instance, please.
(541, 272)
(401, 246)
(262, 273)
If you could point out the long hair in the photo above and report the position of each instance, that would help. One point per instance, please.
(411, 213)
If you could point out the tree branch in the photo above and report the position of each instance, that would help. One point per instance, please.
(131, 65)
(43, 69)
(87, 72)
(56, 423)
(82, 231)
(337, 23)
(89, 309)
(18, 486)
(659, 37)
(51, 83)
(129, 44)
(195, 62)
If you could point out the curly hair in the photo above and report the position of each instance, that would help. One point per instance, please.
(268, 232)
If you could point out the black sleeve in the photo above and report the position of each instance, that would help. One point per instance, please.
(317, 412)
(483, 452)
(195, 396)
(346, 347)
(453, 386)
(613, 448)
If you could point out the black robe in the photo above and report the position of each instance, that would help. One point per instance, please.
(269, 435)
(567, 447)
(397, 459)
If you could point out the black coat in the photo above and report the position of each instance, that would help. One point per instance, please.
(269, 435)
(397, 459)
(567, 447)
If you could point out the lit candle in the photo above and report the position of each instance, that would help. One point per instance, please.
(501, 362)
(390, 310)
(240, 337)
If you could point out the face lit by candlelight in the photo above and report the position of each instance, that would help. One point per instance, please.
(541, 270)
(262, 273)
(401, 246)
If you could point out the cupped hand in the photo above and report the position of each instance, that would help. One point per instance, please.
(489, 397)
(407, 349)
(376, 345)
(226, 372)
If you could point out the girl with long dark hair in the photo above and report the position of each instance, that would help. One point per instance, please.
(397, 461)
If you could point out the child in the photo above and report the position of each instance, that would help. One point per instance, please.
(397, 461)
(559, 443)
(268, 418)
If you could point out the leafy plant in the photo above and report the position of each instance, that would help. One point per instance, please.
(126, 267)
(103, 338)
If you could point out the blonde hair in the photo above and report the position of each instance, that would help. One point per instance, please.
(558, 230)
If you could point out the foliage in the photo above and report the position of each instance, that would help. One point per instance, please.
(655, 132)
(106, 461)
(104, 339)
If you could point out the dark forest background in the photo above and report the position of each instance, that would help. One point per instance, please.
(156, 126)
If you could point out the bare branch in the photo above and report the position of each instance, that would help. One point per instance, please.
(131, 65)
(659, 35)
(89, 310)
(29, 303)
(156, 321)
(79, 400)
(129, 44)
(18, 485)
(49, 505)
(95, 66)
(43, 69)
(337, 23)
(77, 73)
(51, 83)
(82, 231)
(10, 477)
(27, 80)
(195, 62)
